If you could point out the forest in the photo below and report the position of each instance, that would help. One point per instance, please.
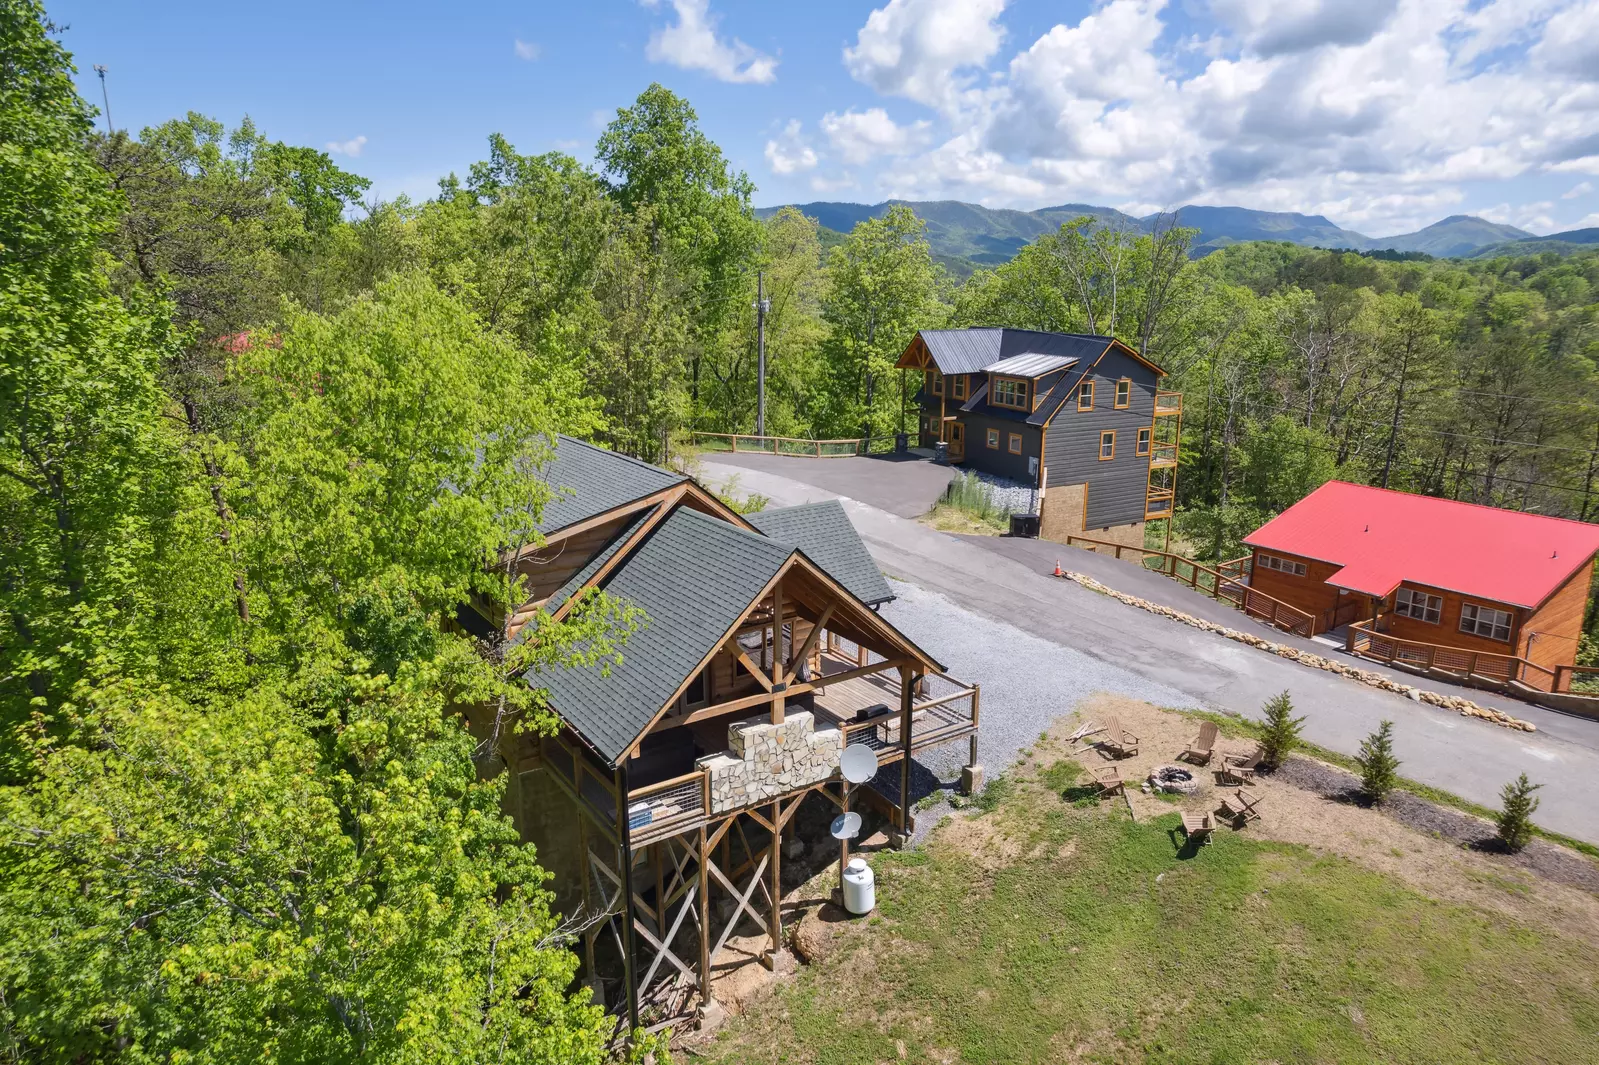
(261, 435)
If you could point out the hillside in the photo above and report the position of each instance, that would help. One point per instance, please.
(966, 235)
(1563, 243)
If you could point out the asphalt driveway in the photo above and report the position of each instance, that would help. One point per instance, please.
(1064, 622)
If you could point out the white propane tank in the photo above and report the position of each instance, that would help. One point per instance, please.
(860, 887)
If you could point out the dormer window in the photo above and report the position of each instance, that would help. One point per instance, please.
(1009, 392)
(934, 383)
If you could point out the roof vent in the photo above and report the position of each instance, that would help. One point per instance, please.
(1555, 553)
(1366, 529)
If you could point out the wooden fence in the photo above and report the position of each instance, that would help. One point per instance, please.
(789, 445)
(1361, 639)
(1221, 586)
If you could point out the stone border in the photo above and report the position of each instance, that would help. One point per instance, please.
(1465, 707)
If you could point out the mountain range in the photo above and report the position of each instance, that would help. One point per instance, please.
(966, 235)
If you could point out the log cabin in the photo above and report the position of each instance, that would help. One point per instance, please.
(1081, 419)
(1438, 585)
(661, 802)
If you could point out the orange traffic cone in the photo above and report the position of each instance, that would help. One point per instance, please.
(1058, 572)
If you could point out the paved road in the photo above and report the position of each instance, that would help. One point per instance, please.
(1468, 757)
(907, 486)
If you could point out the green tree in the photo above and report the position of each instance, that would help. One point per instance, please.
(1279, 735)
(1379, 769)
(882, 286)
(1514, 820)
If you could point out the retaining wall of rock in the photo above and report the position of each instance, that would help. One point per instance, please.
(1462, 706)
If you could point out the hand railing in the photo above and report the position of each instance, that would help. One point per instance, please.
(1363, 640)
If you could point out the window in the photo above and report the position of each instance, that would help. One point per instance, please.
(1107, 445)
(957, 387)
(935, 383)
(1143, 441)
(1124, 393)
(1014, 444)
(1009, 392)
(1419, 605)
(1085, 396)
(1485, 621)
(1281, 565)
(993, 439)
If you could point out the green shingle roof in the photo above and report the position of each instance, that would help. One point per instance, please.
(693, 577)
(590, 480)
(581, 577)
(823, 531)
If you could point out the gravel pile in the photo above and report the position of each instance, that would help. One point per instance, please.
(1027, 683)
(1548, 860)
(1014, 496)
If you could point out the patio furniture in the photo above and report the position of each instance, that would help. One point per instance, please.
(1240, 808)
(1109, 779)
(1197, 827)
(1240, 768)
(1200, 751)
(1118, 739)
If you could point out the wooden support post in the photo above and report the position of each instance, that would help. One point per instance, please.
(779, 668)
(624, 849)
(907, 700)
(704, 903)
(977, 706)
(843, 853)
(660, 888)
(589, 933)
(777, 879)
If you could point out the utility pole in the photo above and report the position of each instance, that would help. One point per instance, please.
(762, 305)
(106, 96)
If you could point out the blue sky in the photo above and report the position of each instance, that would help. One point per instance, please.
(1384, 115)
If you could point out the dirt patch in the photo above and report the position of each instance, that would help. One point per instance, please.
(1434, 850)
(991, 843)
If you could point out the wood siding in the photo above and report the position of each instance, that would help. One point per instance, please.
(1116, 487)
(1310, 593)
(1447, 630)
(1550, 633)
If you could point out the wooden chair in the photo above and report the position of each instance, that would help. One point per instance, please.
(1240, 808)
(1121, 742)
(1197, 827)
(1200, 751)
(1109, 779)
(1240, 768)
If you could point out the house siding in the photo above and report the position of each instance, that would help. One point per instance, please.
(1310, 593)
(1551, 633)
(1001, 463)
(1116, 488)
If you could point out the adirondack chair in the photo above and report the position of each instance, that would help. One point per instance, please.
(1240, 808)
(1121, 742)
(1197, 827)
(1240, 768)
(1109, 779)
(1200, 751)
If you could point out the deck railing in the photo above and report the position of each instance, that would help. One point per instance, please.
(1168, 402)
(1363, 640)
(1220, 586)
(783, 445)
(1162, 455)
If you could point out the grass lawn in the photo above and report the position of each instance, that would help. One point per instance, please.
(1042, 929)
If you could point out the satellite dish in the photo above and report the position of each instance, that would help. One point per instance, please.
(846, 826)
(858, 764)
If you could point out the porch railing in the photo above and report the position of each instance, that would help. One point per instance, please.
(1220, 586)
(1361, 639)
(782, 445)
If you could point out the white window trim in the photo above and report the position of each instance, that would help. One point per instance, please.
(1473, 627)
(1283, 565)
(1419, 606)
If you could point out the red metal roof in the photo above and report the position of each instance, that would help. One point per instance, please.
(1383, 537)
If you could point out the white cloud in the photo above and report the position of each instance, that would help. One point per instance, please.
(1581, 188)
(1587, 220)
(691, 43)
(914, 48)
(862, 136)
(1377, 113)
(351, 147)
(527, 50)
(823, 184)
(789, 154)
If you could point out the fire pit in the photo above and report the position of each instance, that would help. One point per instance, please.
(1174, 779)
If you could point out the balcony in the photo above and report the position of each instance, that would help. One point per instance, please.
(1168, 403)
(1162, 456)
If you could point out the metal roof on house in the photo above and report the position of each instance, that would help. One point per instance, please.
(1030, 364)
(962, 350)
(824, 532)
(1382, 538)
(590, 480)
(693, 577)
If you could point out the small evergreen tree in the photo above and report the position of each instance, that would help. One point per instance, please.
(1280, 735)
(1515, 819)
(1379, 769)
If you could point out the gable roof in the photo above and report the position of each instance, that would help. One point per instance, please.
(693, 577)
(576, 582)
(590, 480)
(1382, 537)
(957, 351)
(824, 532)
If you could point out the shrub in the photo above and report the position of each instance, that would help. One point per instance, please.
(1379, 769)
(1280, 735)
(969, 494)
(1515, 819)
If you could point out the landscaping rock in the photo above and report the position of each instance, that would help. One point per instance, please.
(813, 936)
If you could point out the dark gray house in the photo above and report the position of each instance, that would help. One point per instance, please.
(1080, 418)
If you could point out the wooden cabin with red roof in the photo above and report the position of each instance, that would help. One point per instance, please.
(1432, 583)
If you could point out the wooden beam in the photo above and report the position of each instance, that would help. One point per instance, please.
(907, 704)
(810, 643)
(704, 902)
(776, 891)
(623, 552)
(778, 695)
(755, 671)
